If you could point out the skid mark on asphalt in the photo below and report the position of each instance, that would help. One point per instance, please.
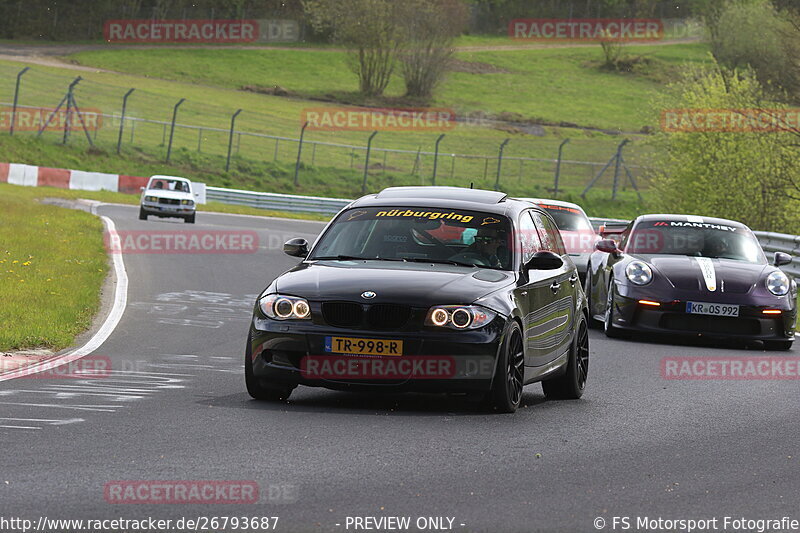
(115, 390)
(200, 309)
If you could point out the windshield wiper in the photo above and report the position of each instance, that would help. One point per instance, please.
(443, 262)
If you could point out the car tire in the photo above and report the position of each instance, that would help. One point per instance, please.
(142, 214)
(776, 346)
(256, 388)
(506, 393)
(571, 384)
(190, 219)
(609, 328)
(593, 322)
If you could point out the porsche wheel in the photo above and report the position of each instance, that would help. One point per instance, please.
(609, 328)
(142, 214)
(593, 322)
(778, 345)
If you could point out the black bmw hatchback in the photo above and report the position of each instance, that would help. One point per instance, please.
(432, 289)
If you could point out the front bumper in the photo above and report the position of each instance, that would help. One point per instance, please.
(294, 352)
(152, 208)
(671, 317)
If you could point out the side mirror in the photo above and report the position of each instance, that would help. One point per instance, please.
(297, 247)
(544, 260)
(608, 246)
(141, 189)
(781, 259)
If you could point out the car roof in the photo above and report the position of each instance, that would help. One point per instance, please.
(173, 178)
(548, 201)
(688, 218)
(444, 197)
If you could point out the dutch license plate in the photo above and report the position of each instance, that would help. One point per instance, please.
(358, 346)
(703, 308)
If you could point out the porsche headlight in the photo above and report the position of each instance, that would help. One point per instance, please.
(187, 202)
(151, 198)
(459, 316)
(279, 307)
(778, 283)
(639, 273)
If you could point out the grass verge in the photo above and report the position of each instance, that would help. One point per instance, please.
(52, 265)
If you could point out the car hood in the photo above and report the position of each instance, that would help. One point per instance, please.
(415, 284)
(174, 195)
(700, 274)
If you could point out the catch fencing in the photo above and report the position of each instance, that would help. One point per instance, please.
(264, 146)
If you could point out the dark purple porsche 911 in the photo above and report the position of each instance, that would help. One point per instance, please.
(691, 275)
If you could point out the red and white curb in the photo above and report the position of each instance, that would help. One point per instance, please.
(34, 176)
(106, 329)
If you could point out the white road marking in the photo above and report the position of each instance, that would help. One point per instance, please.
(49, 421)
(98, 408)
(105, 331)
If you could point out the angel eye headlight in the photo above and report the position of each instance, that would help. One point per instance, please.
(280, 307)
(639, 273)
(778, 283)
(459, 316)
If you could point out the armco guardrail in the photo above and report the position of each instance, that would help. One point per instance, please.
(781, 242)
(277, 202)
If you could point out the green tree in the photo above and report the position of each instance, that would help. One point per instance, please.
(752, 33)
(428, 29)
(746, 176)
(370, 32)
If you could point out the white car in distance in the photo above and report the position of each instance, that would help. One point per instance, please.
(168, 196)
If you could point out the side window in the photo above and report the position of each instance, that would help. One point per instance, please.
(528, 238)
(549, 234)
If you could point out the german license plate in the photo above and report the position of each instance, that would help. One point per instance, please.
(358, 346)
(703, 308)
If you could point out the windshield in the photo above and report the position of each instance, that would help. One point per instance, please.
(568, 218)
(466, 238)
(169, 185)
(695, 239)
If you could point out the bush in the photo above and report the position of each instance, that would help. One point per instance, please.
(751, 176)
(754, 34)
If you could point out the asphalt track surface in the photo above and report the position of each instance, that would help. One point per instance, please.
(175, 408)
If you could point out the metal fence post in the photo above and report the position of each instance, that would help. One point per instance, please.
(616, 168)
(172, 128)
(558, 165)
(299, 153)
(230, 140)
(366, 163)
(16, 100)
(436, 156)
(68, 121)
(500, 163)
(122, 118)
